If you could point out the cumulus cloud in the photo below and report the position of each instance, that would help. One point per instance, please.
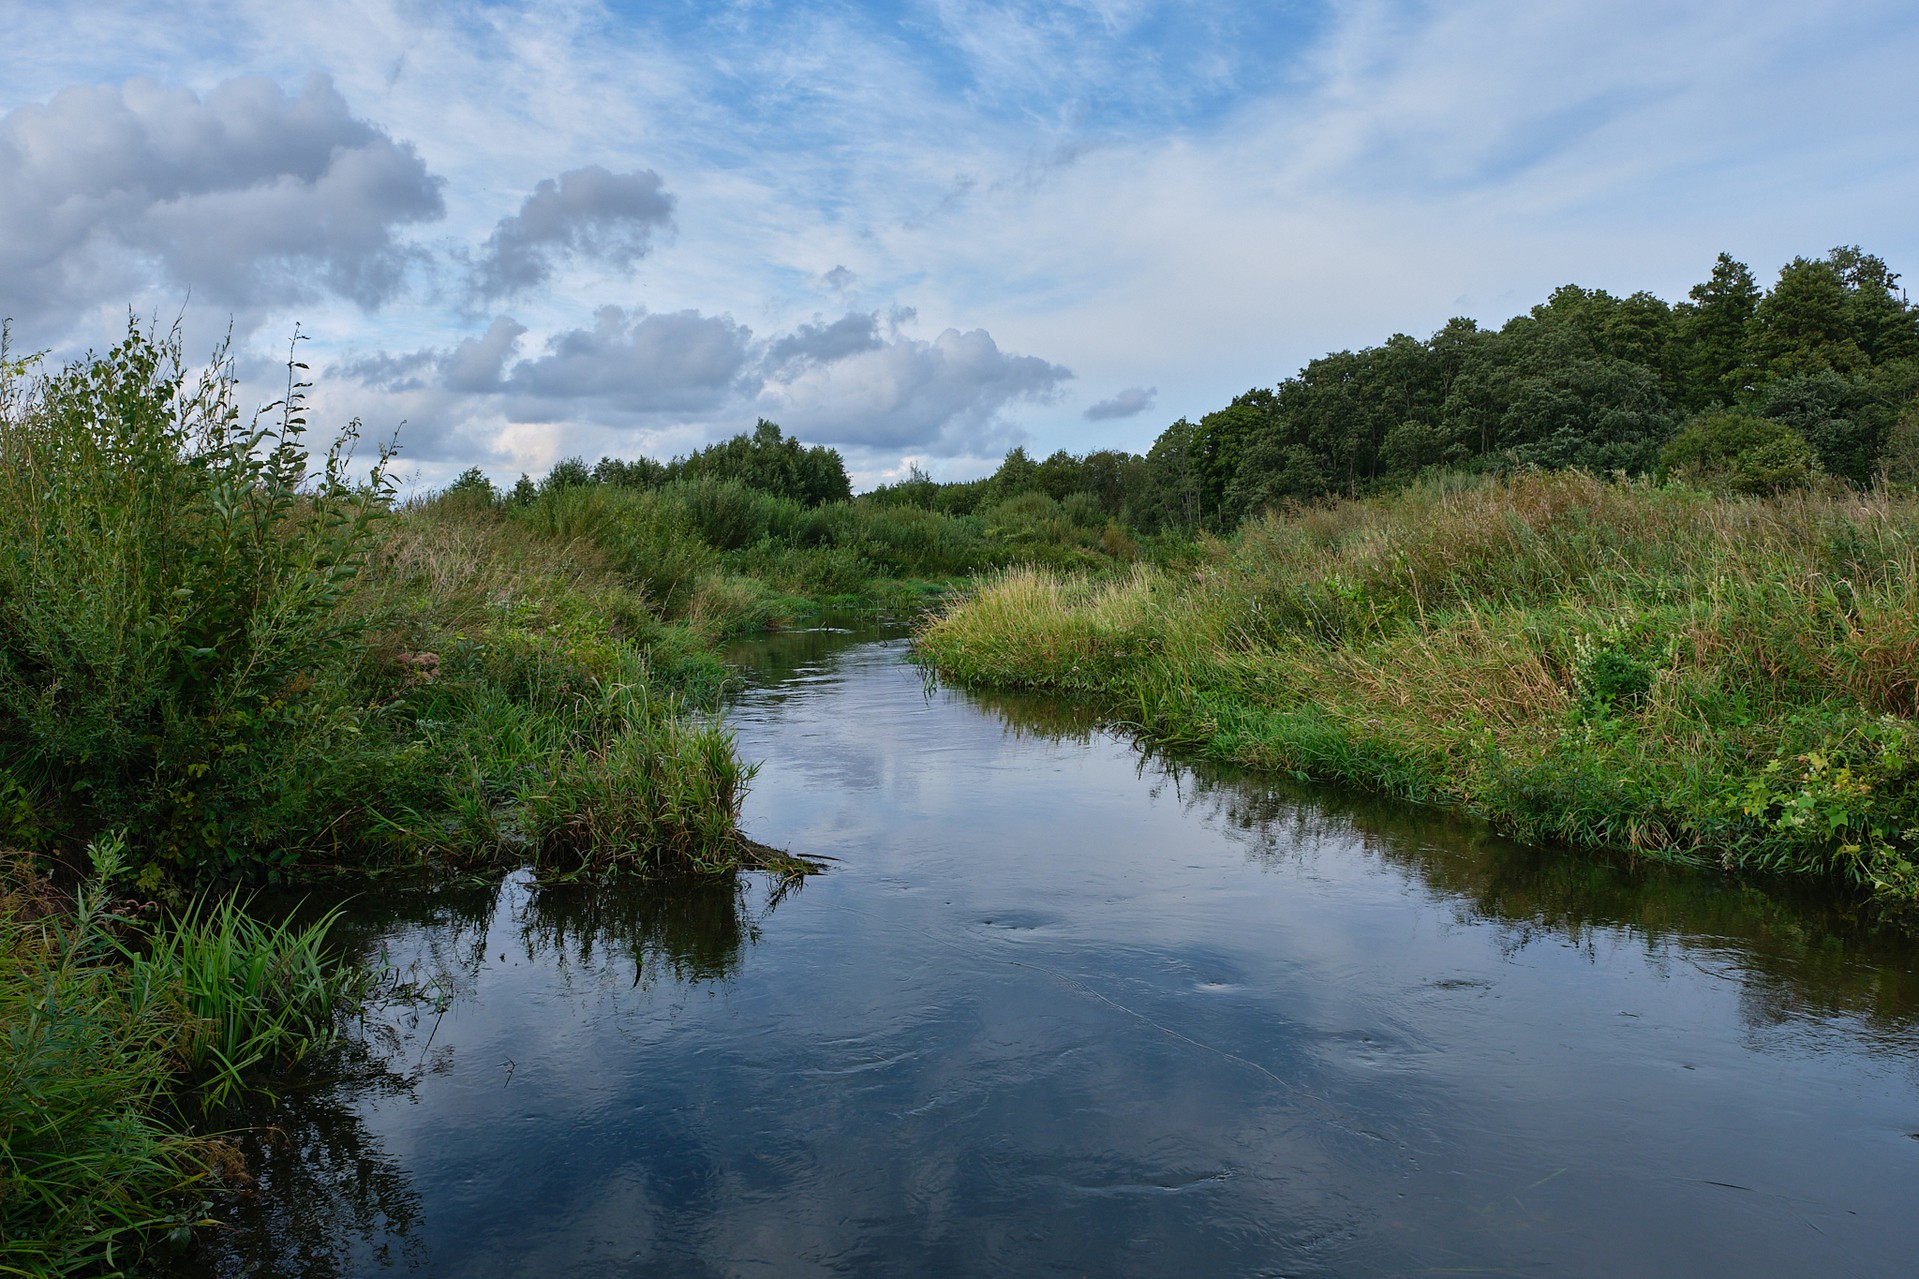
(636, 381)
(945, 397)
(249, 198)
(628, 362)
(584, 213)
(636, 362)
(1131, 402)
(476, 365)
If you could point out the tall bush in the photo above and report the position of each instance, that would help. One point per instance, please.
(172, 575)
(1740, 453)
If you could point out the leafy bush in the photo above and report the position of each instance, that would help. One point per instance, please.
(648, 537)
(1899, 463)
(726, 513)
(1606, 677)
(1740, 453)
(172, 633)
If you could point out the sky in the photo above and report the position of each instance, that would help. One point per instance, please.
(919, 231)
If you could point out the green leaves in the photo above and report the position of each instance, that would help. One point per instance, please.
(176, 568)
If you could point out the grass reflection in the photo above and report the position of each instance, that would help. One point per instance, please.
(1798, 950)
(327, 1198)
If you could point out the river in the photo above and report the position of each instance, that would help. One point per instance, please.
(1059, 1007)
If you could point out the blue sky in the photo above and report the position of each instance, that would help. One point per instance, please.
(919, 231)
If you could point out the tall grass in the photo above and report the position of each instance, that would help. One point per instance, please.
(688, 544)
(89, 1165)
(116, 1036)
(537, 707)
(216, 640)
(1701, 678)
(250, 994)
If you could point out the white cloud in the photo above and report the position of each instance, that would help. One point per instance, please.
(248, 197)
(638, 381)
(1188, 197)
(944, 397)
(635, 362)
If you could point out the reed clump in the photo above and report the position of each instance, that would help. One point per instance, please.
(1698, 677)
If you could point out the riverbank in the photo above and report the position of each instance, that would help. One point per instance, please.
(243, 656)
(227, 659)
(1696, 678)
(129, 1027)
(235, 658)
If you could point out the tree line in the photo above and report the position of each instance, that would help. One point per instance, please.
(766, 460)
(1818, 375)
(1748, 388)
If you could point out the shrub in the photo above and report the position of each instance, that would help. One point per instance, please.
(726, 513)
(648, 538)
(1899, 462)
(1740, 453)
(171, 625)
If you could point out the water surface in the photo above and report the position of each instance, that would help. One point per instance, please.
(1060, 1008)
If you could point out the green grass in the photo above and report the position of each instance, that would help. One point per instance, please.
(263, 668)
(119, 1036)
(88, 1164)
(1729, 681)
(250, 995)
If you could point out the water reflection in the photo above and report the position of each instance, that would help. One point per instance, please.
(1064, 1006)
(693, 932)
(328, 1195)
(1800, 951)
(327, 1199)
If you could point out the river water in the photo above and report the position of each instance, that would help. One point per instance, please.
(1059, 1008)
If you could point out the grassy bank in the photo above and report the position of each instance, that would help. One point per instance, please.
(249, 658)
(124, 1027)
(1729, 681)
(228, 658)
